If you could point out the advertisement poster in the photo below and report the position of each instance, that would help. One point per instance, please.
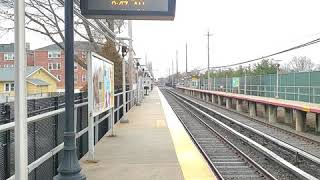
(102, 75)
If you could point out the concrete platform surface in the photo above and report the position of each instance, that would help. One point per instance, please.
(144, 149)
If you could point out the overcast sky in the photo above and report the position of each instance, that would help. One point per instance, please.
(242, 30)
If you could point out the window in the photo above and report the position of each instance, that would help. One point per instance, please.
(54, 66)
(8, 87)
(59, 77)
(8, 65)
(75, 66)
(50, 66)
(84, 78)
(9, 56)
(54, 54)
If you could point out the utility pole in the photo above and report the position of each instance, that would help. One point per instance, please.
(186, 58)
(177, 66)
(172, 77)
(69, 168)
(208, 37)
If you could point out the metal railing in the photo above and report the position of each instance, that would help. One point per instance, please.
(45, 134)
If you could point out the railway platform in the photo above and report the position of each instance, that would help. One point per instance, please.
(153, 145)
(295, 112)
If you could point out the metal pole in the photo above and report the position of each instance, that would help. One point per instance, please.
(186, 58)
(172, 71)
(90, 110)
(208, 37)
(245, 83)
(277, 88)
(69, 168)
(226, 84)
(138, 88)
(124, 118)
(177, 67)
(20, 107)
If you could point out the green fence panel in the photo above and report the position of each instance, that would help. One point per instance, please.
(303, 86)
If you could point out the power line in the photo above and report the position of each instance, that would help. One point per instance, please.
(270, 55)
(110, 35)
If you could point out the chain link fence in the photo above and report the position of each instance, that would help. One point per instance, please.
(302, 86)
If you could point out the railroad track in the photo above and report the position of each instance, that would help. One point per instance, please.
(302, 167)
(301, 142)
(227, 161)
(304, 153)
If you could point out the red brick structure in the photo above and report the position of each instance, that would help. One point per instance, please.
(51, 58)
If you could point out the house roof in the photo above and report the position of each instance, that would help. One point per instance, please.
(10, 47)
(78, 45)
(7, 47)
(7, 74)
(37, 82)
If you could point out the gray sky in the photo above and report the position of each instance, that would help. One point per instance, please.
(242, 30)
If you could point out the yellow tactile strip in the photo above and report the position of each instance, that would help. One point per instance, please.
(192, 163)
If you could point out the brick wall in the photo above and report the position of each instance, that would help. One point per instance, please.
(40, 58)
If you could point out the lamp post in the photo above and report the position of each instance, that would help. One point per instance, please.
(278, 71)
(69, 168)
(126, 50)
(138, 81)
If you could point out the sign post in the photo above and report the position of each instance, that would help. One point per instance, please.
(20, 102)
(69, 168)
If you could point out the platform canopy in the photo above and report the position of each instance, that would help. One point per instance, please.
(129, 9)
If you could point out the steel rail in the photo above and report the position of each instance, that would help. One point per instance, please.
(300, 173)
(215, 133)
(281, 143)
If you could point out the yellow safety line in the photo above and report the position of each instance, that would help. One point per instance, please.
(192, 163)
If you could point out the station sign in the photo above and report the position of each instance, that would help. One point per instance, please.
(129, 9)
(235, 82)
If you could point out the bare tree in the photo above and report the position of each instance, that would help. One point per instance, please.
(299, 64)
(46, 18)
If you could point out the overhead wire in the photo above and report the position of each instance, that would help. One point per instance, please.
(95, 27)
(267, 56)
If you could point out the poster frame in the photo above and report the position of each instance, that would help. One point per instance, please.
(90, 83)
